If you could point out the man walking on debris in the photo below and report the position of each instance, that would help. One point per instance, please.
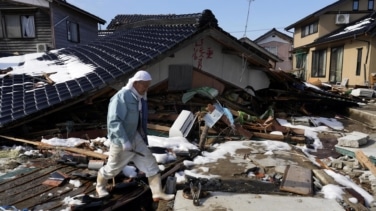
(126, 125)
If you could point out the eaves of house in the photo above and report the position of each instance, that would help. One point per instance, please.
(130, 20)
(63, 3)
(252, 52)
(274, 32)
(315, 15)
(72, 7)
(362, 27)
(231, 46)
(260, 49)
(108, 60)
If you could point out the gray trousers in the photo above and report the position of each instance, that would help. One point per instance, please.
(118, 159)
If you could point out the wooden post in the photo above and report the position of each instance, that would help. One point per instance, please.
(364, 160)
(203, 136)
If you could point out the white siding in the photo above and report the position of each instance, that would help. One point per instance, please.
(227, 67)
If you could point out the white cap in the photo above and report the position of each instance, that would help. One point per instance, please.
(141, 75)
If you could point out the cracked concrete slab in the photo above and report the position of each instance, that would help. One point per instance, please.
(237, 201)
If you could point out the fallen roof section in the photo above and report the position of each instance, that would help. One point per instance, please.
(35, 85)
(103, 61)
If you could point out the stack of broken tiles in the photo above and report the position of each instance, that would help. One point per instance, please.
(56, 179)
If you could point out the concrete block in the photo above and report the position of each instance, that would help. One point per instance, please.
(354, 139)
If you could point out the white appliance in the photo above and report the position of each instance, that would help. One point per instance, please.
(342, 18)
(183, 124)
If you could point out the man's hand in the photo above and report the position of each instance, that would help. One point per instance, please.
(127, 146)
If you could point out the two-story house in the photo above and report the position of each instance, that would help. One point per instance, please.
(29, 26)
(279, 44)
(337, 43)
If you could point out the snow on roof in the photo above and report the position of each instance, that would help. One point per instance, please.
(31, 64)
(359, 25)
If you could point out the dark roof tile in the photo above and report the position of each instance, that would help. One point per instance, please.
(108, 58)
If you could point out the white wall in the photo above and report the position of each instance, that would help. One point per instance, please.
(272, 39)
(212, 60)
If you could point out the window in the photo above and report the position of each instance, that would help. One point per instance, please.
(336, 64)
(73, 32)
(355, 5)
(318, 63)
(19, 26)
(309, 29)
(359, 61)
(370, 4)
(301, 58)
(272, 49)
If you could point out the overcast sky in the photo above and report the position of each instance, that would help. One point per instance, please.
(232, 16)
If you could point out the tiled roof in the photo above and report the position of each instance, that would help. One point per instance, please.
(316, 14)
(107, 59)
(351, 30)
(130, 20)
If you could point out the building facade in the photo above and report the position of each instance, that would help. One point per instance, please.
(337, 43)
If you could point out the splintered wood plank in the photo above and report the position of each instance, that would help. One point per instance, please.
(325, 179)
(297, 180)
(365, 161)
(47, 146)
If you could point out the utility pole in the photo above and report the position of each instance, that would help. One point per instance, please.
(246, 22)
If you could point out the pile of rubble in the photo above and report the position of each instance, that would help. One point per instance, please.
(304, 121)
(266, 173)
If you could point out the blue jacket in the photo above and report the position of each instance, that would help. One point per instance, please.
(123, 117)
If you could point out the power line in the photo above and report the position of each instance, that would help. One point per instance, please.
(254, 30)
(258, 30)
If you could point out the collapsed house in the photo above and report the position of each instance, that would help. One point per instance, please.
(171, 48)
(84, 76)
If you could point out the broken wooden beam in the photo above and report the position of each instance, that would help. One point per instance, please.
(274, 125)
(248, 134)
(71, 149)
(365, 161)
(242, 131)
(158, 127)
(284, 138)
(204, 134)
(236, 106)
(258, 126)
